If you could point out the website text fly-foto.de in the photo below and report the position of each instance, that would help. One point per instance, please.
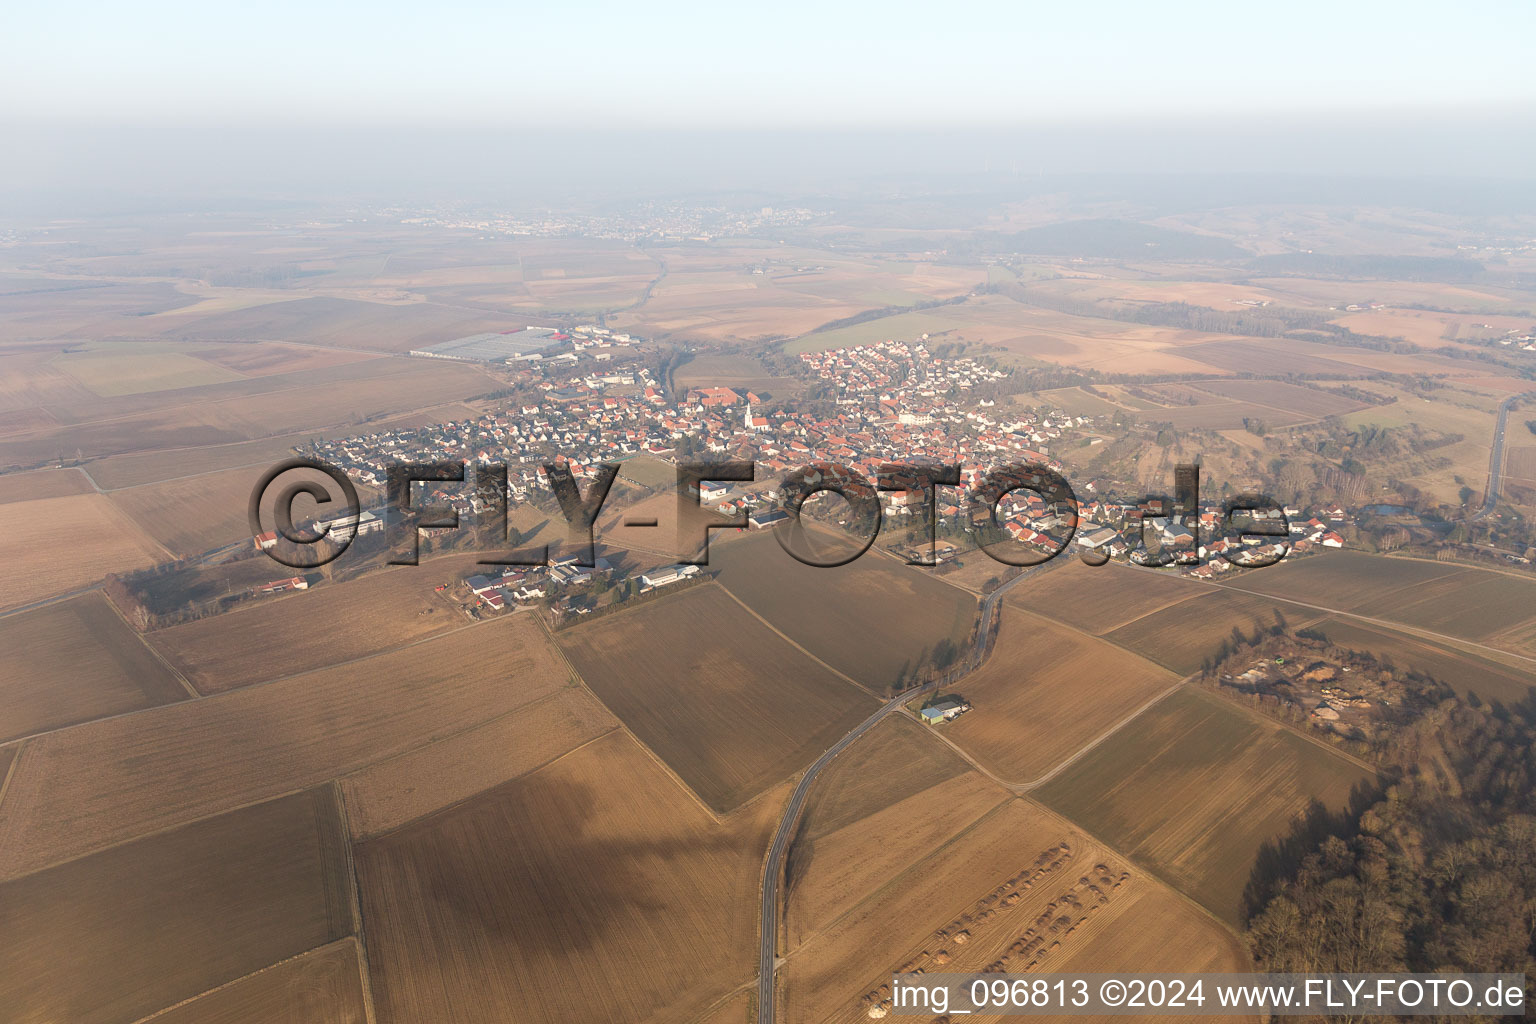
(1252, 527)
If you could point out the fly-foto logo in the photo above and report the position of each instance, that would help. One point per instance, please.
(1252, 529)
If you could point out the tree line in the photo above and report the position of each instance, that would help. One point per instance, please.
(1434, 872)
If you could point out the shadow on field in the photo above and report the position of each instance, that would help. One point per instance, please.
(519, 869)
(1278, 859)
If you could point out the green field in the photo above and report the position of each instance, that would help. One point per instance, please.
(1194, 788)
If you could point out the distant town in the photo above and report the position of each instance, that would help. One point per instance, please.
(591, 396)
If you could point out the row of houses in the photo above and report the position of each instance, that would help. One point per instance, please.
(910, 406)
(896, 402)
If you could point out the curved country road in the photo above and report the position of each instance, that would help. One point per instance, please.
(773, 868)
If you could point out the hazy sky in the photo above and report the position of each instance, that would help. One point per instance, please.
(797, 63)
(107, 105)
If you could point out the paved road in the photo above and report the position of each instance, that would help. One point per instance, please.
(773, 869)
(1496, 461)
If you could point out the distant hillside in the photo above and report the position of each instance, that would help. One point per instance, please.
(1117, 239)
(1395, 268)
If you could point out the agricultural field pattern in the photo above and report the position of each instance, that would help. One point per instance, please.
(471, 772)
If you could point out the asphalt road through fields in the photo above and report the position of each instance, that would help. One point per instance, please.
(1496, 460)
(773, 868)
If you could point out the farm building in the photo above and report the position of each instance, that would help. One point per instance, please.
(279, 586)
(666, 575)
(363, 523)
(763, 520)
(1091, 536)
(340, 526)
(568, 574)
(494, 347)
(483, 585)
(944, 710)
(711, 397)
